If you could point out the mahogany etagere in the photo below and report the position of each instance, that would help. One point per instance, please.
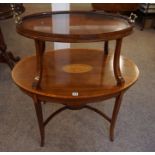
(75, 77)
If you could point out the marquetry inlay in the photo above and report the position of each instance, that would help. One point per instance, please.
(77, 68)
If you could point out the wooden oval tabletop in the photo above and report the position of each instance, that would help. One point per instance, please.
(74, 26)
(75, 75)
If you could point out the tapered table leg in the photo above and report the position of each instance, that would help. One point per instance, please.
(40, 49)
(39, 114)
(106, 47)
(115, 114)
(116, 63)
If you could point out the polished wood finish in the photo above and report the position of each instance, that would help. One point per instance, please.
(106, 47)
(84, 26)
(58, 85)
(117, 71)
(75, 77)
(114, 114)
(39, 114)
(40, 48)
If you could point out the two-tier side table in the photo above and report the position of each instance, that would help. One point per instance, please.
(75, 77)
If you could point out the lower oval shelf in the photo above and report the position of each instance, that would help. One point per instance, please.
(74, 76)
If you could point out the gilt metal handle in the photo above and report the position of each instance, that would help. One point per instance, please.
(16, 14)
(132, 18)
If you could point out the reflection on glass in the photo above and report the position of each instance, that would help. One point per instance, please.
(61, 24)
